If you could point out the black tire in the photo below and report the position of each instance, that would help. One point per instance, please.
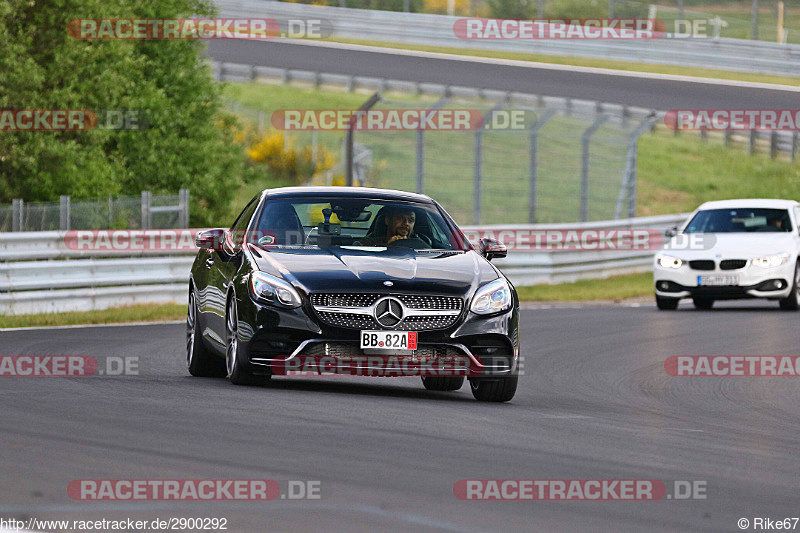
(199, 359)
(667, 304)
(443, 383)
(498, 390)
(792, 302)
(235, 372)
(703, 303)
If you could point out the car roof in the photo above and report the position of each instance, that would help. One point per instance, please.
(749, 202)
(353, 192)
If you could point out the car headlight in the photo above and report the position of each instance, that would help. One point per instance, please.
(667, 261)
(270, 289)
(493, 297)
(771, 261)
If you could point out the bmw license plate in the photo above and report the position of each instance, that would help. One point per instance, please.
(717, 280)
(389, 340)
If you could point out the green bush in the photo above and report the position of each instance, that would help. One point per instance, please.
(47, 69)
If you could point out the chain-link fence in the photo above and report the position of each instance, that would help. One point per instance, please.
(558, 168)
(564, 165)
(146, 211)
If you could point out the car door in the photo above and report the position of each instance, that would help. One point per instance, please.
(223, 266)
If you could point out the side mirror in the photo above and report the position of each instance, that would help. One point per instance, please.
(671, 232)
(492, 249)
(210, 240)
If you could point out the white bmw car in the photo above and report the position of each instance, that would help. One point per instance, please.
(732, 249)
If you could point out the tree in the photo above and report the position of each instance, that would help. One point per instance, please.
(42, 67)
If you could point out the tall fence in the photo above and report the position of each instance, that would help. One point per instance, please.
(125, 212)
(561, 167)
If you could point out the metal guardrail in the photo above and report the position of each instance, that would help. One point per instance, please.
(437, 30)
(39, 273)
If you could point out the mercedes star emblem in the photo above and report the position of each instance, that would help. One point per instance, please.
(388, 312)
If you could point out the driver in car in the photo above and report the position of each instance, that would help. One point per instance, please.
(399, 226)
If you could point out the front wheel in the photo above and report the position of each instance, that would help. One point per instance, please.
(199, 359)
(236, 373)
(703, 303)
(497, 390)
(666, 304)
(443, 383)
(792, 302)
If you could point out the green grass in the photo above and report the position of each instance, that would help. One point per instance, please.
(613, 288)
(628, 66)
(676, 174)
(137, 313)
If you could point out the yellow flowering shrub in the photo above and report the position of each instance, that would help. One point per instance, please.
(279, 153)
(440, 6)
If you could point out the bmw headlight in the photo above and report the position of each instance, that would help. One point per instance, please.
(494, 297)
(270, 289)
(771, 261)
(667, 261)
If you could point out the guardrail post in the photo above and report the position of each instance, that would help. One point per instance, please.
(17, 217)
(584, 212)
(533, 201)
(727, 137)
(64, 212)
(348, 138)
(146, 199)
(628, 185)
(794, 146)
(752, 142)
(704, 135)
(183, 214)
(773, 145)
(420, 188)
(476, 206)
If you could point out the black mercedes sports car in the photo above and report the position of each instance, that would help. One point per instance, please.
(311, 279)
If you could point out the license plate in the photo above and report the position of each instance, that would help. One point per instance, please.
(389, 340)
(717, 280)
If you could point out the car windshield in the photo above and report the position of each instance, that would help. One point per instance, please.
(740, 220)
(367, 224)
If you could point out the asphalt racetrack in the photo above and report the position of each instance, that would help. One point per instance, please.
(594, 403)
(632, 89)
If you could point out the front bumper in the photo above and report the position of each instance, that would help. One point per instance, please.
(273, 340)
(753, 282)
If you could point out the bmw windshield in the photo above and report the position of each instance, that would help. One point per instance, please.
(740, 220)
